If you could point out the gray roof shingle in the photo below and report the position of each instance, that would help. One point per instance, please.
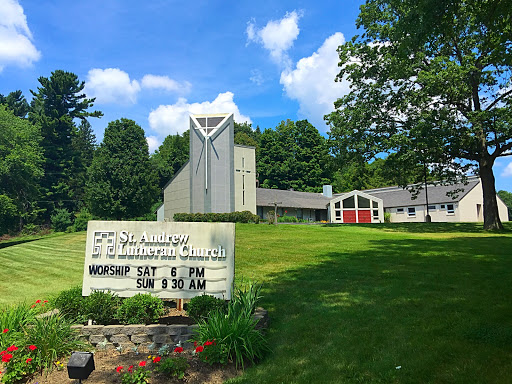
(397, 196)
(293, 199)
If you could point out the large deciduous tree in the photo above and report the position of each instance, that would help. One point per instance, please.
(430, 79)
(20, 169)
(294, 155)
(57, 104)
(122, 183)
(170, 157)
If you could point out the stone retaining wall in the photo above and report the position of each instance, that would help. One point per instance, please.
(146, 337)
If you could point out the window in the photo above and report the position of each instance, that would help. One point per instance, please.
(450, 209)
(349, 202)
(443, 206)
(338, 213)
(363, 202)
(431, 207)
(375, 204)
(399, 210)
(337, 205)
(376, 214)
(411, 211)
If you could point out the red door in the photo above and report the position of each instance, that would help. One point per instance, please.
(349, 216)
(364, 216)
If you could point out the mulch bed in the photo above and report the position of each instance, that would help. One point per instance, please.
(106, 363)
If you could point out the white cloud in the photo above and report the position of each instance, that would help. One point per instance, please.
(172, 119)
(111, 85)
(166, 83)
(15, 37)
(153, 143)
(507, 172)
(277, 36)
(256, 77)
(312, 83)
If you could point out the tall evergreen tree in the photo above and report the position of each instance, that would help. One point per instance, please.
(121, 181)
(16, 102)
(56, 104)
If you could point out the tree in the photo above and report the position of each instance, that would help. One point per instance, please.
(507, 199)
(56, 105)
(16, 102)
(245, 135)
(170, 157)
(294, 155)
(83, 141)
(430, 80)
(20, 169)
(121, 181)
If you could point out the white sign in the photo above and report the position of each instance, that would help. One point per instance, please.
(169, 260)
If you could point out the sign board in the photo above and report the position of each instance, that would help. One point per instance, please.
(168, 260)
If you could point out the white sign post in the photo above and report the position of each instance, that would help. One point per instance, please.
(168, 260)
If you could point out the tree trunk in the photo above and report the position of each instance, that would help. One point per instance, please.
(491, 217)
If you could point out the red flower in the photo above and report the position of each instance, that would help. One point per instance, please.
(157, 359)
(28, 360)
(5, 330)
(130, 368)
(199, 349)
(45, 301)
(142, 364)
(6, 358)
(3, 353)
(119, 369)
(32, 306)
(38, 301)
(178, 349)
(32, 347)
(195, 343)
(208, 343)
(12, 348)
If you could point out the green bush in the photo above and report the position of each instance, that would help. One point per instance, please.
(233, 217)
(287, 219)
(54, 338)
(71, 304)
(387, 217)
(173, 366)
(200, 307)
(61, 220)
(14, 318)
(140, 309)
(101, 307)
(81, 219)
(232, 336)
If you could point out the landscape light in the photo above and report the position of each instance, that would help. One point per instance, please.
(80, 365)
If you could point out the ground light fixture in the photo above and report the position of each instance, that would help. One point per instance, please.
(80, 365)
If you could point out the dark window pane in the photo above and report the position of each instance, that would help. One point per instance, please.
(363, 202)
(349, 202)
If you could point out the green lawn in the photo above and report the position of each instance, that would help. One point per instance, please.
(350, 303)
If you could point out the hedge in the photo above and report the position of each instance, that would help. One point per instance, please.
(231, 217)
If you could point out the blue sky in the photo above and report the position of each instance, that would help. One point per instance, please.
(157, 61)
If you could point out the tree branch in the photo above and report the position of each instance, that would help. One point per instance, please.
(509, 92)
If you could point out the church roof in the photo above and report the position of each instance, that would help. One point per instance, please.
(293, 199)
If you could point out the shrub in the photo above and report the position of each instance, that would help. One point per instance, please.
(61, 220)
(234, 217)
(81, 219)
(232, 336)
(13, 320)
(173, 366)
(140, 309)
(138, 376)
(287, 219)
(101, 307)
(54, 338)
(71, 304)
(270, 217)
(387, 217)
(200, 306)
